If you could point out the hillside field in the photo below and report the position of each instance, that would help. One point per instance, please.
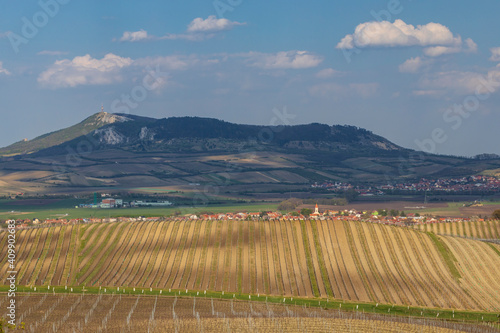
(352, 261)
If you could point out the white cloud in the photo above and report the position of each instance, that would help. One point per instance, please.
(436, 38)
(3, 70)
(411, 65)
(134, 36)
(199, 29)
(52, 53)
(283, 60)
(436, 51)
(327, 73)
(495, 54)
(463, 83)
(84, 70)
(211, 24)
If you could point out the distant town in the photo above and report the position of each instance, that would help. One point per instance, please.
(472, 184)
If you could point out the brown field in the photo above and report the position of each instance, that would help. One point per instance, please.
(122, 313)
(336, 259)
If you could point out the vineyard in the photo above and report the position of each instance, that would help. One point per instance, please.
(487, 229)
(352, 261)
(120, 313)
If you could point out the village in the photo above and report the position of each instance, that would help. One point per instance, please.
(378, 216)
(472, 184)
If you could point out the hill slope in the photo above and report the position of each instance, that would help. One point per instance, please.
(48, 140)
(337, 259)
(127, 151)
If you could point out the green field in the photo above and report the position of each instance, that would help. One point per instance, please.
(66, 209)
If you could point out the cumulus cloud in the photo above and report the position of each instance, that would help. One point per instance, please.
(211, 24)
(283, 60)
(495, 54)
(84, 70)
(199, 29)
(462, 83)
(134, 36)
(327, 73)
(435, 37)
(3, 70)
(411, 65)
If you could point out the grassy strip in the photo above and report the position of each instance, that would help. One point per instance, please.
(417, 312)
(321, 260)
(447, 255)
(494, 248)
(310, 267)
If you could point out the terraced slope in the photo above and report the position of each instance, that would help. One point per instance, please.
(336, 259)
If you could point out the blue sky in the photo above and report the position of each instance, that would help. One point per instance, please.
(424, 74)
